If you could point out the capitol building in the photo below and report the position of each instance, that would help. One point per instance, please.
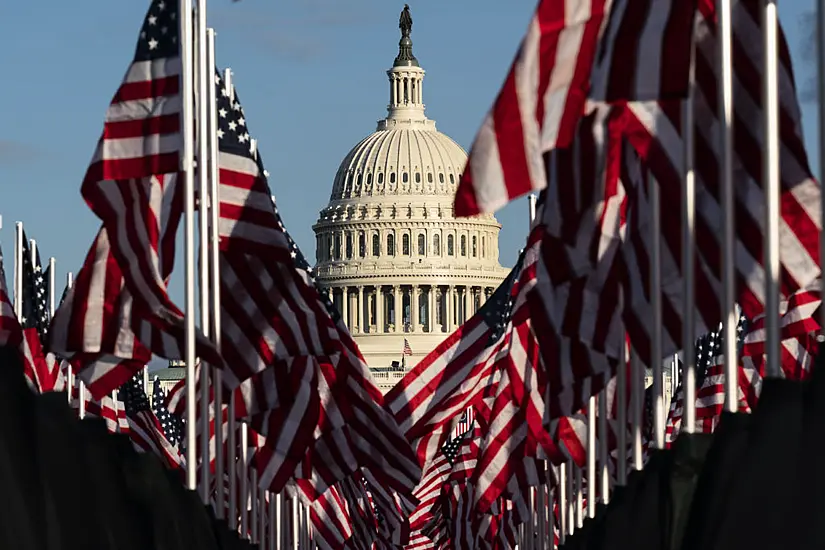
(402, 270)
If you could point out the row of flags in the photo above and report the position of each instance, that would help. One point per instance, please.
(499, 416)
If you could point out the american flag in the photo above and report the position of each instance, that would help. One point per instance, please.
(145, 429)
(545, 91)
(455, 374)
(42, 371)
(10, 332)
(407, 348)
(278, 324)
(132, 185)
(655, 129)
(171, 425)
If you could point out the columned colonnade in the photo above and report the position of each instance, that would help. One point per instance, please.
(423, 308)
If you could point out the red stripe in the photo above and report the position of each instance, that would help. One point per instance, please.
(147, 89)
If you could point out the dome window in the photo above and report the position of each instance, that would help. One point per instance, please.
(422, 244)
(475, 246)
(392, 177)
(452, 180)
(464, 245)
(418, 177)
(405, 244)
(349, 246)
(380, 177)
(376, 245)
(336, 254)
(429, 177)
(362, 244)
(437, 244)
(441, 177)
(483, 242)
(450, 245)
(405, 177)
(390, 245)
(359, 180)
(369, 179)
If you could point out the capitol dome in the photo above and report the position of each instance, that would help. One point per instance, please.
(402, 270)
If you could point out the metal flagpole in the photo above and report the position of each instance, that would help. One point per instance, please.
(52, 304)
(187, 161)
(725, 114)
(579, 498)
(820, 70)
(571, 497)
(18, 269)
(621, 416)
(561, 496)
(232, 422)
(203, 108)
(243, 473)
(637, 388)
(214, 270)
(770, 175)
(146, 382)
(688, 249)
(272, 511)
(591, 455)
(295, 532)
(604, 438)
(280, 530)
(253, 507)
(262, 515)
(656, 314)
(69, 373)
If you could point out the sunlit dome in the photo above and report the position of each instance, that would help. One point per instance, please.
(397, 263)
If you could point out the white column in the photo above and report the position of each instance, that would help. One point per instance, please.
(359, 317)
(448, 305)
(431, 309)
(467, 313)
(398, 306)
(414, 305)
(345, 305)
(379, 308)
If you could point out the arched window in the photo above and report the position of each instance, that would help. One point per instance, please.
(369, 179)
(349, 246)
(359, 180)
(437, 244)
(464, 245)
(475, 247)
(405, 244)
(452, 180)
(390, 245)
(418, 177)
(441, 177)
(329, 247)
(392, 177)
(337, 249)
(362, 244)
(319, 249)
(483, 250)
(450, 245)
(422, 244)
(404, 177)
(429, 177)
(376, 245)
(380, 177)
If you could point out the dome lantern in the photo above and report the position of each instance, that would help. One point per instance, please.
(406, 78)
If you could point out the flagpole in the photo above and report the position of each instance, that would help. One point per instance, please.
(561, 499)
(187, 161)
(232, 422)
(591, 454)
(69, 373)
(770, 175)
(18, 269)
(604, 468)
(621, 414)
(656, 315)
(688, 250)
(203, 108)
(52, 305)
(820, 70)
(243, 473)
(214, 267)
(725, 114)
(271, 511)
(637, 388)
(146, 383)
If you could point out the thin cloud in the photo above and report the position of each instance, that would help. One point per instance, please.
(15, 152)
(300, 37)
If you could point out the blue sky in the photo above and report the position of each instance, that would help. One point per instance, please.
(312, 77)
